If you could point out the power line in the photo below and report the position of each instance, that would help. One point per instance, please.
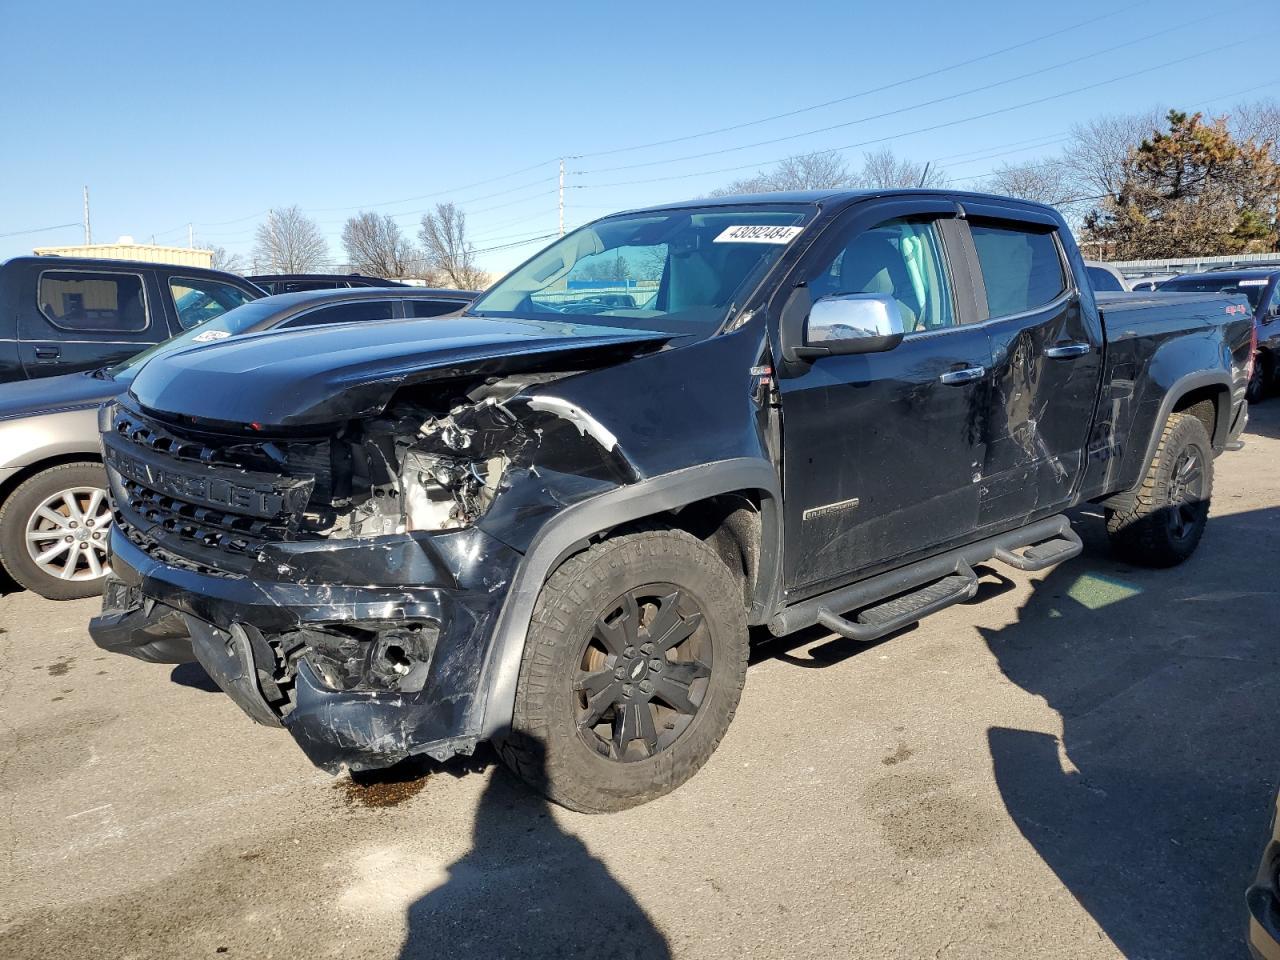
(937, 126)
(864, 93)
(22, 233)
(907, 109)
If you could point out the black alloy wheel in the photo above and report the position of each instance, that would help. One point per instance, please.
(643, 673)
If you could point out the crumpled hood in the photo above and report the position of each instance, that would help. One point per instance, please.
(322, 374)
(71, 391)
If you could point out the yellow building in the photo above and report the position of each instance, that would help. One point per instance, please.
(126, 249)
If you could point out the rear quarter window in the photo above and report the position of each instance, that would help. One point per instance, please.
(1021, 267)
(93, 302)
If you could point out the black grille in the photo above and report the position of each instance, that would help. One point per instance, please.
(196, 504)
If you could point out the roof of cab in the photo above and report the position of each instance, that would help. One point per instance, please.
(838, 196)
(56, 261)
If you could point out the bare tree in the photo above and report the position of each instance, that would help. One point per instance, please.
(290, 242)
(1044, 181)
(231, 262)
(806, 171)
(375, 246)
(1096, 152)
(883, 170)
(446, 249)
(1259, 122)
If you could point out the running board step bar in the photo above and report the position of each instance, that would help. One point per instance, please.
(1043, 555)
(901, 597)
(884, 618)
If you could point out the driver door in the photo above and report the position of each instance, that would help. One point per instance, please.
(881, 451)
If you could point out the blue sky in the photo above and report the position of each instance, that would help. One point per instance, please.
(212, 114)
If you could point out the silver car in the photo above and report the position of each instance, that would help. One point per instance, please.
(54, 514)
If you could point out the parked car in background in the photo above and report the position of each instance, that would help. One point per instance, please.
(63, 314)
(1263, 897)
(1105, 278)
(54, 516)
(299, 282)
(549, 521)
(1148, 284)
(1261, 286)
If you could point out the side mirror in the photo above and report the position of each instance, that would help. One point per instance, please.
(852, 323)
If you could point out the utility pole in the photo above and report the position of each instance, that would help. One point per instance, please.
(191, 242)
(562, 196)
(88, 233)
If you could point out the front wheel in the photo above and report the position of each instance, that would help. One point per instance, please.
(632, 671)
(53, 531)
(1163, 524)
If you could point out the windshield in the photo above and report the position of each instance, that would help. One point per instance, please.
(679, 271)
(220, 327)
(1251, 287)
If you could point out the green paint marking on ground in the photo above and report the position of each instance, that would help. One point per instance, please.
(1094, 592)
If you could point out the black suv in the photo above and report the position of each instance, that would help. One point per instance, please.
(64, 314)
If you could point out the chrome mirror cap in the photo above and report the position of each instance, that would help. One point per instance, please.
(853, 323)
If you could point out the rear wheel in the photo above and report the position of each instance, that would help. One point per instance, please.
(1166, 518)
(1256, 391)
(53, 531)
(632, 671)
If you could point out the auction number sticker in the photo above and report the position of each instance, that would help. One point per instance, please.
(209, 336)
(757, 233)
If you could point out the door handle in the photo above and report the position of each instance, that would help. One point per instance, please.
(954, 378)
(47, 353)
(1065, 351)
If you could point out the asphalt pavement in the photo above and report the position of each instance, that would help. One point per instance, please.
(1078, 765)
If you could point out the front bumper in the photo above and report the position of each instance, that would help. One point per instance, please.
(361, 676)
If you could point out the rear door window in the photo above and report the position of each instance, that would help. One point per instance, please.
(92, 302)
(1021, 267)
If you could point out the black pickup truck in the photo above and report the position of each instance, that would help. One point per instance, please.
(548, 522)
(66, 314)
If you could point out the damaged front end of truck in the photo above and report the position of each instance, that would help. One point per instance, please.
(337, 559)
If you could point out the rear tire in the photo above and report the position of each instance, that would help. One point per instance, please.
(1165, 520)
(1259, 381)
(632, 670)
(62, 515)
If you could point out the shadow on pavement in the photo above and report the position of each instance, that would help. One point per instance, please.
(528, 889)
(1264, 418)
(1153, 807)
(7, 584)
(193, 675)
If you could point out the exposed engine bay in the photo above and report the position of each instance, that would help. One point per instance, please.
(420, 467)
(435, 459)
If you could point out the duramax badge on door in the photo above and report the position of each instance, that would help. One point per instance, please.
(757, 234)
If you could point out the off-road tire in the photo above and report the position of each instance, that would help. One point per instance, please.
(18, 508)
(1141, 532)
(544, 747)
